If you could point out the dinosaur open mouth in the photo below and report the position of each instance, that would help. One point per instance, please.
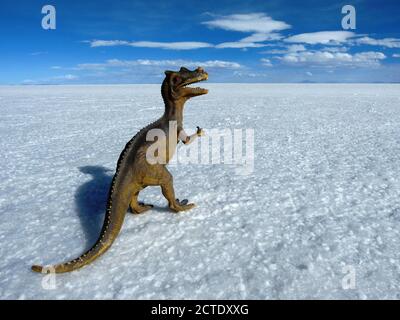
(197, 90)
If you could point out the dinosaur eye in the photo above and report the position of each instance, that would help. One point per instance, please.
(176, 80)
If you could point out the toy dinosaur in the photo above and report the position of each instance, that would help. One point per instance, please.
(134, 172)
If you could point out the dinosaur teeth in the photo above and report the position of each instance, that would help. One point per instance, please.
(194, 81)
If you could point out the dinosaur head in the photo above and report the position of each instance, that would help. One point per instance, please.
(176, 84)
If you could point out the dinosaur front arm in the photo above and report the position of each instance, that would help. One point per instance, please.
(186, 139)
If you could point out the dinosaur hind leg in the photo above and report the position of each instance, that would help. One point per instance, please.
(167, 188)
(138, 207)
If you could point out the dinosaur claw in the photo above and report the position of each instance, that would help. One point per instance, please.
(141, 208)
(182, 205)
(183, 202)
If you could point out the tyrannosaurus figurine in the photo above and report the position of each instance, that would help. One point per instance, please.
(134, 172)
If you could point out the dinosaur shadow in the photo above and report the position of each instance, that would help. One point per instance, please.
(91, 199)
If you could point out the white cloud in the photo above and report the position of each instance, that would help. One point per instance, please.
(108, 43)
(218, 64)
(275, 51)
(28, 82)
(396, 55)
(66, 77)
(91, 66)
(321, 37)
(386, 42)
(263, 27)
(309, 73)
(296, 48)
(335, 49)
(115, 63)
(251, 41)
(334, 59)
(239, 45)
(288, 49)
(184, 45)
(242, 74)
(260, 37)
(252, 22)
(266, 62)
(56, 79)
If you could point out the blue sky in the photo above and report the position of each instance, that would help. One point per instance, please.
(124, 41)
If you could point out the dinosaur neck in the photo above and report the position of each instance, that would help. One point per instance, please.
(174, 111)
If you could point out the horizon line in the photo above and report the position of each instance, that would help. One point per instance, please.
(153, 83)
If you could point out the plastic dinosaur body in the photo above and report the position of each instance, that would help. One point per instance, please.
(134, 172)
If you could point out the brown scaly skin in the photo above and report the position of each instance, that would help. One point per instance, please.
(134, 173)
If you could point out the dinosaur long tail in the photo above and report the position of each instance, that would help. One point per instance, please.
(117, 206)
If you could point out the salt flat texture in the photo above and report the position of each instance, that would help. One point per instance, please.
(325, 194)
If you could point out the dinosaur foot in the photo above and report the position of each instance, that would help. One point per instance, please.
(181, 205)
(141, 208)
